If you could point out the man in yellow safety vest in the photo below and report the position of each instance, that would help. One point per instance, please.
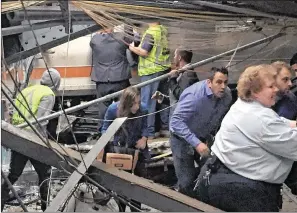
(41, 100)
(154, 60)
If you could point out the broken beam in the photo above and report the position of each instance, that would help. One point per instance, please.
(123, 183)
(67, 189)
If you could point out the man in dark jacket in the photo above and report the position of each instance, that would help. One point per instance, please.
(178, 81)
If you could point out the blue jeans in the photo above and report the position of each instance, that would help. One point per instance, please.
(146, 94)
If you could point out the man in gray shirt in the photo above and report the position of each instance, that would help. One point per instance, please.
(110, 69)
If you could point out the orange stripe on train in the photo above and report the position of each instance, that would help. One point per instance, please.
(69, 72)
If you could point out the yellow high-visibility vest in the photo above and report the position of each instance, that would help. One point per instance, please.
(159, 57)
(33, 96)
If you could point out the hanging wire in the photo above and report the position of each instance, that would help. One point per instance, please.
(61, 103)
(65, 69)
(131, 118)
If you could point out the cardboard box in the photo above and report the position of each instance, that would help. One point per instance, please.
(120, 161)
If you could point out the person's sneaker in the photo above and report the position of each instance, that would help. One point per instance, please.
(165, 133)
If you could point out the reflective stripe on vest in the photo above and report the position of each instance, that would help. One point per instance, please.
(33, 96)
(158, 58)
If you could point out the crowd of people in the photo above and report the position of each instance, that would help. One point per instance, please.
(234, 157)
(241, 154)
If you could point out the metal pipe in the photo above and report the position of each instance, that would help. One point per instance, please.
(192, 66)
(10, 186)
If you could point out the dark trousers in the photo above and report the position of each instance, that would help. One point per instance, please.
(107, 88)
(184, 158)
(229, 191)
(122, 206)
(17, 165)
(291, 180)
(164, 114)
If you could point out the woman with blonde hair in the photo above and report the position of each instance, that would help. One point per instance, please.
(253, 151)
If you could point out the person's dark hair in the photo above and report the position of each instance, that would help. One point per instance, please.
(126, 101)
(215, 70)
(186, 55)
(293, 59)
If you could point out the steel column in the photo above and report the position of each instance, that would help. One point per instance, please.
(189, 67)
(121, 182)
(64, 6)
